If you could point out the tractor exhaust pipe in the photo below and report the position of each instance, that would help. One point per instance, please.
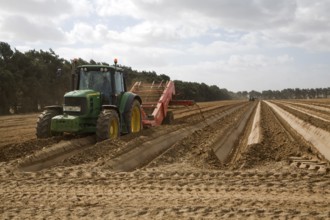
(74, 74)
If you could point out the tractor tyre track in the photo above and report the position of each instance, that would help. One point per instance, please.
(197, 150)
(66, 152)
(279, 142)
(82, 193)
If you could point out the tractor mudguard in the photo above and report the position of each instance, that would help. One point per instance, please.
(114, 107)
(127, 100)
(57, 108)
(124, 107)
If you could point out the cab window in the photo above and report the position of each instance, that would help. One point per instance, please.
(119, 82)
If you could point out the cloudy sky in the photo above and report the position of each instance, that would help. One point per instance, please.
(234, 44)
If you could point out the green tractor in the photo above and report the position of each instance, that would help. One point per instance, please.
(99, 103)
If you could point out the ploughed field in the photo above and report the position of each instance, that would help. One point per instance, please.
(231, 159)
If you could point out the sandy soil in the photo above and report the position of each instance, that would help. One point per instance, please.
(187, 181)
(317, 137)
(18, 128)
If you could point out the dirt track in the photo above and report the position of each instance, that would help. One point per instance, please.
(185, 181)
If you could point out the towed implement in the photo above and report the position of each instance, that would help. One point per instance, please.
(101, 104)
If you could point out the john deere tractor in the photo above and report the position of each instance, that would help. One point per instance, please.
(99, 103)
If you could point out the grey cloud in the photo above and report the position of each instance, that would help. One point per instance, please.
(18, 27)
(301, 23)
(34, 7)
(233, 14)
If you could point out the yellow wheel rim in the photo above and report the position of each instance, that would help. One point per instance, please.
(114, 129)
(136, 119)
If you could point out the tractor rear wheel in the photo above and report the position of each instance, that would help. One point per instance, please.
(107, 125)
(134, 118)
(44, 122)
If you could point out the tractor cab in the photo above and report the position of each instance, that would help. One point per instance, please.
(107, 80)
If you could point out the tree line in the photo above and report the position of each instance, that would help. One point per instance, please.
(31, 80)
(297, 93)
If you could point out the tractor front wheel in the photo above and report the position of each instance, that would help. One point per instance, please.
(44, 122)
(107, 125)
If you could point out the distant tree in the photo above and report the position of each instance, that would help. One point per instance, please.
(254, 94)
(267, 94)
(318, 93)
(7, 91)
(92, 62)
(5, 53)
(215, 93)
(287, 93)
(164, 77)
(296, 93)
(200, 92)
(245, 94)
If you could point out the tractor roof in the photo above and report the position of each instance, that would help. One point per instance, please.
(100, 66)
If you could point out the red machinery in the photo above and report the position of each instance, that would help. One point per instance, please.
(156, 98)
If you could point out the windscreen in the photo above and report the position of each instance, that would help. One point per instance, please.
(95, 80)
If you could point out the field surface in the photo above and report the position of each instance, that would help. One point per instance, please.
(217, 160)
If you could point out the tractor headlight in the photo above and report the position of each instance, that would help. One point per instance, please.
(71, 108)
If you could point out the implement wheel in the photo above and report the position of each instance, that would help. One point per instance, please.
(169, 118)
(107, 125)
(44, 122)
(134, 118)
